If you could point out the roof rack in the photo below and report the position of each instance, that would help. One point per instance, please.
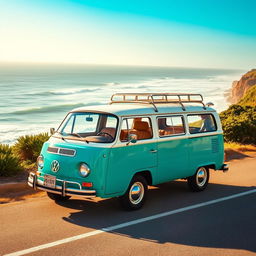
(158, 98)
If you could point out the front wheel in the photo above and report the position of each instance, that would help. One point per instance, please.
(57, 197)
(135, 196)
(199, 181)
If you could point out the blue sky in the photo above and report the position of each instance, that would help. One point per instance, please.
(184, 33)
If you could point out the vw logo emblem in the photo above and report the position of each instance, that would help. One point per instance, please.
(55, 166)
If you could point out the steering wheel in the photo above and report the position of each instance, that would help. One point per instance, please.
(105, 133)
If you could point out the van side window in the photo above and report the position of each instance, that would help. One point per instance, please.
(170, 125)
(139, 126)
(201, 123)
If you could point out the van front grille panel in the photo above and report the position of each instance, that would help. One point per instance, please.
(61, 151)
(65, 151)
(53, 150)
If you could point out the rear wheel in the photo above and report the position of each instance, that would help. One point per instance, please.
(135, 196)
(57, 197)
(199, 181)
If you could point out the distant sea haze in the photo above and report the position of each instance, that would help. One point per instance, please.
(35, 98)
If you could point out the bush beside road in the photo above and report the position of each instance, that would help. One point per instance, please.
(21, 157)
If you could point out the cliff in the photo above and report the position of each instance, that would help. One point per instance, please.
(240, 88)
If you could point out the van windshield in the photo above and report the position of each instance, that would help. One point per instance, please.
(89, 127)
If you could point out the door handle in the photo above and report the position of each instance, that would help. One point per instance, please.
(153, 151)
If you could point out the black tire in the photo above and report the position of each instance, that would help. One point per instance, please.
(199, 181)
(135, 201)
(57, 197)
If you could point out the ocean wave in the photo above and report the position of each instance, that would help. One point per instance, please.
(164, 81)
(9, 119)
(223, 78)
(10, 134)
(72, 91)
(48, 109)
(112, 84)
(63, 92)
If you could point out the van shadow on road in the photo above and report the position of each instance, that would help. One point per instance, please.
(229, 224)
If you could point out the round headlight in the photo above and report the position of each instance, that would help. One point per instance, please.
(84, 170)
(40, 162)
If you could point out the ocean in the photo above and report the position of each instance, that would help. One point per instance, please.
(34, 98)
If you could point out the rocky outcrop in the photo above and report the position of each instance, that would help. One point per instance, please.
(239, 88)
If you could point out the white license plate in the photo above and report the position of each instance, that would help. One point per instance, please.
(49, 181)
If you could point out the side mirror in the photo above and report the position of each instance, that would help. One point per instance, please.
(132, 138)
(52, 131)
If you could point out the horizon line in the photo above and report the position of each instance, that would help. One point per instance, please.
(108, 64)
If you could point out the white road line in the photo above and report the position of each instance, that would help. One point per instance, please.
(126, 224)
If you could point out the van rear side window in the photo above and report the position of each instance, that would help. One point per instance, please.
(201, 123)
(139, 126)
(170, 125)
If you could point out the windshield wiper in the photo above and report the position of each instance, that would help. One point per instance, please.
(61, 135)
(79, 136)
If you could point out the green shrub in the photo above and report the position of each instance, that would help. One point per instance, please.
(9, 163)
(239, 124)
(249, 98)
(28, 147)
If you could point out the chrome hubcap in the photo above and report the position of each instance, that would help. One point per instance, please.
(201, 177)
(136, 192)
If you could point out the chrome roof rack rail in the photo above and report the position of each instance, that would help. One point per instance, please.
(158, 98)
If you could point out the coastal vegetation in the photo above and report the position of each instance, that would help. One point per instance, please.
(22, 155)
(9, 162)
(239, 124)
(28, 147)
(249, 98)
(239, 120)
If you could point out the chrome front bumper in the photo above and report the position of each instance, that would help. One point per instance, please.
(35, 183)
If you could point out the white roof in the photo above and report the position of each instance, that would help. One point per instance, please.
(123, 109)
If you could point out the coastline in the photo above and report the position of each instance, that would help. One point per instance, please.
(57, 90)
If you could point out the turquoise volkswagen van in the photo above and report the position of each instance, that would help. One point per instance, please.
(117, 150)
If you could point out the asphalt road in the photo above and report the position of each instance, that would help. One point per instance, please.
(189, 227)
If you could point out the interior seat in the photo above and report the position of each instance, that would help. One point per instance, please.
(168, 131)
(142, 130)
(124, 135)
(179, 129)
